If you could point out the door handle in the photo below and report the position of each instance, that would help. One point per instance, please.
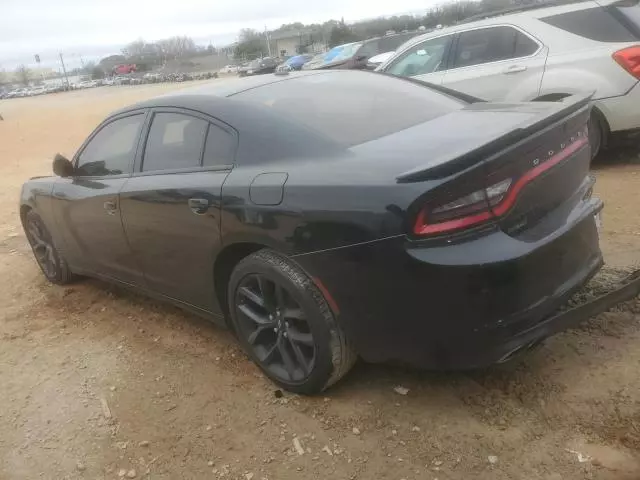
(199, 206)
(110, 207)
(514, 69)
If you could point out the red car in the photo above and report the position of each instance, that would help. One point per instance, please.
(124, 69)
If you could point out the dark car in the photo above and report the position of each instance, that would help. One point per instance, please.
(259, 66)
(386, 219)
(355, 55)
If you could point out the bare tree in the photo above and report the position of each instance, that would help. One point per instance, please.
(23, 74)
(177, 46)
(134, 49)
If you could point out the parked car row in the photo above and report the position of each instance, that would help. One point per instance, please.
(33, 91)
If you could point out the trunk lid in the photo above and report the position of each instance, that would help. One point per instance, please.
(540, 151)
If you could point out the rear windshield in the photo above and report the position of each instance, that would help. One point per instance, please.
(352, 107)
(602, 24)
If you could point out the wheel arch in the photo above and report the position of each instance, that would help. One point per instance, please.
(556, 97)
(225, 262)
(24, 209)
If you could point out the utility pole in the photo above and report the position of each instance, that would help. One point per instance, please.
(64, 70)
(266, 34)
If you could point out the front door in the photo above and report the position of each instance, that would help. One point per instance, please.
(171, 205)
(496, 64)
(86, 205)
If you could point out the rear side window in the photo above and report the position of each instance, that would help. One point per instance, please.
(220, 147)
(175, 141)
(111, 150)
(596, 24)
(486, 45)
(352, 107)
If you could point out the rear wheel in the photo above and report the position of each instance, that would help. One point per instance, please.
(596, 134)
(49, 259)
(285, 325)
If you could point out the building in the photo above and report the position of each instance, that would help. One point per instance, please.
(292, 42)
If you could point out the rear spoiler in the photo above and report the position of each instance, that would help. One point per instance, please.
(568, 107)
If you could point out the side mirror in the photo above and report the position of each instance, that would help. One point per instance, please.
(62, 166)
(361, 58)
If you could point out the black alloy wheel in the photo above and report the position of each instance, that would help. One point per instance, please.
(52, 264)
(276, 327)
(285, 325)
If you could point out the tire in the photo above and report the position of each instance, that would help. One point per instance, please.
(596, 134)
(272, 301)
(53, 265)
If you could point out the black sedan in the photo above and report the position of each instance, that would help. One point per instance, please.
(384, 218)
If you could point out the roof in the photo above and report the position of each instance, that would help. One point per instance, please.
(515, 15)
(212, 98)
(229, 87)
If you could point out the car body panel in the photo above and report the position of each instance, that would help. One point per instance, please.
(174, 244)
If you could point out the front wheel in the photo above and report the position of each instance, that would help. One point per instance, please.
(49, 259)
(285, 325)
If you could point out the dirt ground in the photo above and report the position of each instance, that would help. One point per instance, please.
(101, 383)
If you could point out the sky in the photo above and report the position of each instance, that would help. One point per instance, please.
(86, 30)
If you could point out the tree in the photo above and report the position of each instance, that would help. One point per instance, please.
(340, 34)
(251, 44)
(175, 47)
(23, 74)
(134, 49)
(93, 70)
(108, 63)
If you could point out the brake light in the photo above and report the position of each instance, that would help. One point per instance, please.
(629, 59)
(491, 202)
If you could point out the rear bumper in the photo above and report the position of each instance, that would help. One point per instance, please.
(460, 306)
(623, 112)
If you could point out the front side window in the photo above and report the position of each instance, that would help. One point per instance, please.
(487, 45)
(175, 141)
(112, 150)
(423, 58)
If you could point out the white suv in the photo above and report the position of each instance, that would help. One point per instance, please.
(543, 54)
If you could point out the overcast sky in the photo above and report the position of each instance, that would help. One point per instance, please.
(95, 28)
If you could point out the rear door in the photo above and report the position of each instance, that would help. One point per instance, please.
(424, 61)
(171, 204)
(497, 63)
(86, 205)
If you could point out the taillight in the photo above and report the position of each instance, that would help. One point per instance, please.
(629, 59)
(491, 202)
